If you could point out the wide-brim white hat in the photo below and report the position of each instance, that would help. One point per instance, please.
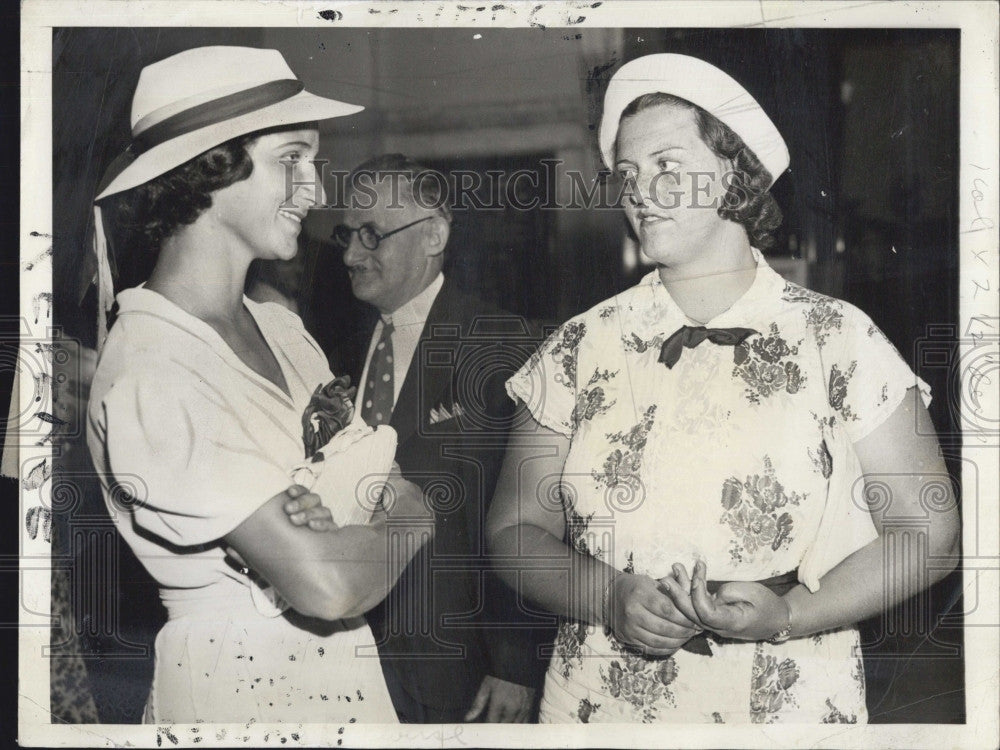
(699, 83)
(189, 103)
(197, 99)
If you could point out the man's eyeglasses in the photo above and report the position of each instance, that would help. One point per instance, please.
(369, 236)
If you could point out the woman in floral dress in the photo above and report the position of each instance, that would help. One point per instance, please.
(690, 478)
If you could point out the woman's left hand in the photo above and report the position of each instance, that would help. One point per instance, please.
(744, 611)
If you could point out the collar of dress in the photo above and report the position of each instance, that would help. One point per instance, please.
(767, 287)
(146, 301)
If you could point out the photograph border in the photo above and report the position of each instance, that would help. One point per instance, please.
(979, 325)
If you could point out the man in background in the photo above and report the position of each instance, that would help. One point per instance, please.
(455, 644)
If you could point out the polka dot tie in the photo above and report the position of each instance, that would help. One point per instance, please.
(379, 395)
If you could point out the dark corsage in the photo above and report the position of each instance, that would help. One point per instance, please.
(330, 409)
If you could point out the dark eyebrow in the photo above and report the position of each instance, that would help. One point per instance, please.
(653, 154)
(286, 144)
(366, 223)
(668, 148)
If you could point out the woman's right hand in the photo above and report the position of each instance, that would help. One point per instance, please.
(643, 616)
(306, 508)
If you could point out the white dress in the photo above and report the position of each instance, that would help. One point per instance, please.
(190, 442)
(738, 456)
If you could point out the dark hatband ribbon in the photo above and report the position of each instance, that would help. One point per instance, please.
(780, 585)
(690, 337)
(216, 111)
(201, 116)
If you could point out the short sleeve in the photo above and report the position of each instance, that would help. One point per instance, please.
(197, 469)
(867, 378)
(547, 382)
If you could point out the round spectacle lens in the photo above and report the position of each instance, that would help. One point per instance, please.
(366, 233)
(368, 236)
(342, 236)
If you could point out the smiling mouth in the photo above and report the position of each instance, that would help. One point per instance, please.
(295, 216)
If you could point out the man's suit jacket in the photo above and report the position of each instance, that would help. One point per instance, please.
(432, 628)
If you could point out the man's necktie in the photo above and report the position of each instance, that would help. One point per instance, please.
(379, 393)
(690, 337)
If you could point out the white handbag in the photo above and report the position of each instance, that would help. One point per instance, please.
(351, 471)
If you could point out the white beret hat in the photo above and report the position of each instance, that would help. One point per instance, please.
(699, 83)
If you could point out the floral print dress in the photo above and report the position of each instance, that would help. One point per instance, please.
(739, 456)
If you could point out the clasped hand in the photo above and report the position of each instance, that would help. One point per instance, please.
(660, 616)
(403, 497)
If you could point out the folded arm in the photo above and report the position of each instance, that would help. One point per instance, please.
(342, 572)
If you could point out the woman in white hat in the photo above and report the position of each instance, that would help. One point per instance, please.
(714, 429)
(196, 410)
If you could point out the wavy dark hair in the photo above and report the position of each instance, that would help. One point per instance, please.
(145, 216)
(148, 214)
(747, 201)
